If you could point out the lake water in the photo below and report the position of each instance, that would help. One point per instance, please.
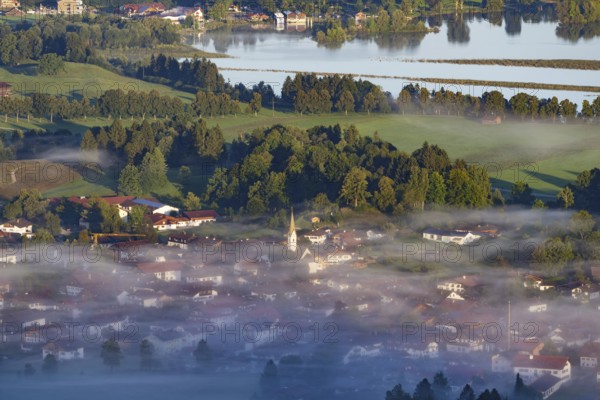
(474, 37)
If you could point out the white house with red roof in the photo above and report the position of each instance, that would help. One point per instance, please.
(532, 367)
(166, 271)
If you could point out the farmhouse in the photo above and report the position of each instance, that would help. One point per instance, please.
(296, 18)
(62, 353)
(196, 218)
(532, 367)
(318, 236)
(166, 271)
(20, 226)
(450, 236)
(69, 7)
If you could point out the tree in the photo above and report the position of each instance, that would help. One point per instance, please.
(582, 223)
(385, 196)
(397, 393)
(117, 135)
(191, 202)
(369, 102)
(441, 387)
(346, 102)
(565, 197)
(202, 353)
(129, 181)
(111, 354)
(520, 193)
(553, 254)
(269, 381)
(51, 64)
(52, 223)
(153, 171)
(423, 391)
(255, 104)
(354, 188)
(88, 141)
(436, 192)
(467, 393)
(50, 365)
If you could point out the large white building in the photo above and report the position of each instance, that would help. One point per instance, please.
(448, 236)
(532, 367)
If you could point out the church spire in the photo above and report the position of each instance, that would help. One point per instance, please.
(292, 223)
(292, 238)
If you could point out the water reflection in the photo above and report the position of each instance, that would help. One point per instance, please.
(458, 30)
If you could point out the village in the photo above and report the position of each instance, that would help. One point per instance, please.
(180, 15)
(270, 297)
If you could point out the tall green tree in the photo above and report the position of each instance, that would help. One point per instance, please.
(354, 188)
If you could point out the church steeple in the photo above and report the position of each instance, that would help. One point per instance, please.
(292, 238)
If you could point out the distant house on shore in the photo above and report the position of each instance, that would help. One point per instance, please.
(360, 18)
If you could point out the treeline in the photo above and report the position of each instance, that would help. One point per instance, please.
(279, 166)
(189, 74)
(578, 12)
(116, 103)
(439, 389)
(77, 39)
(307, 93)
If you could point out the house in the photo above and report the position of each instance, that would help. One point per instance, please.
(14, 12)
(546, 385)
(318, 236)
(20, 226)
(464, 346)
(296, 18)
(338, 257)
(178, 15)
(450, 236)
(142, 9)
(532, 367)
(129, 251)
(196, 218)
(166, 271)
(117, 201)
(585, 293)
(5, 89)
(171, 341)
(360, 18)
(8, 4)
(181, 240)
(459, 285)
(70, 7)
(421, 349)
(163, 222)
(279, 19)
(589, 361)
(62, 352)
(542, 307)
(501, 363)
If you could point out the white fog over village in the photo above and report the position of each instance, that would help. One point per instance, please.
(285, 199)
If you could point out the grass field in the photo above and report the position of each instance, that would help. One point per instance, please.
(545, 155)
(78, 80)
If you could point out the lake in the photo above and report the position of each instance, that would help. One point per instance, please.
(470, 37)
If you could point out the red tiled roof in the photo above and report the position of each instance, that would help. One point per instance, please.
(540, 362)
(154, 267)
(203, 214)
